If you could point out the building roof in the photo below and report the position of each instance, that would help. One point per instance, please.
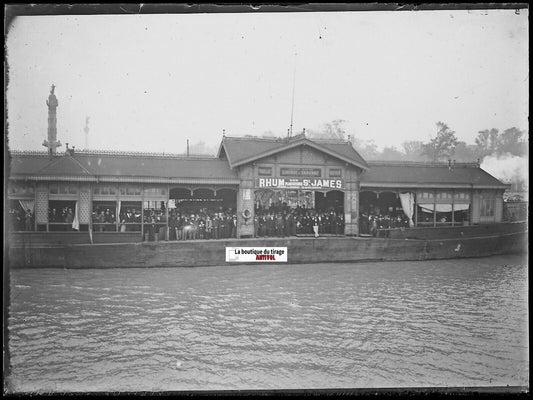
(164, 168)
(120, 166)
(417, 174)
(242, 150)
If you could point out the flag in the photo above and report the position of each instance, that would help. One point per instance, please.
(117, 215)
(76, 221)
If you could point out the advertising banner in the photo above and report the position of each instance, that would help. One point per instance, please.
(299, 183)
(256, 254)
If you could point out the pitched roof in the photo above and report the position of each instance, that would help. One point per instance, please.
(120, 166)
(405, 174)
(242, 150)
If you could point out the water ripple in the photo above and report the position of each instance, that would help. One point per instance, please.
(439, 323)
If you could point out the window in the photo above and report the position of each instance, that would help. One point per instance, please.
(130, 216)
(157, 191)
(426, 195)
(105, 190)
(104, 216)
(63, 189)
(21, 190)
(155, 218)
(130, 191)
(61, 214)
(264, 171)
(462, 196)
(20, 215)
(335, 173)
(154, 212)
(444, 195)
(487, 207)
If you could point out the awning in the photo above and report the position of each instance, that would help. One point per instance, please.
(430, 207)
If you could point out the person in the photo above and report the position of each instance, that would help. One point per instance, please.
(101, 220)
(216, 226)
(69, 218)
(234, 227)
(28, 220)
(256, 225)
(123, 225)
(53, 215)
(279, 225)
(108, 219)
(179, 227)
(172, 227)
(208, 227)
(315, 225)
(222, 227)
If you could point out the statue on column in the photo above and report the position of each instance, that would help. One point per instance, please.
(52, 143)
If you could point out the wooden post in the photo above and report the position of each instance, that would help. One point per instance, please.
(453, 207)
(434, 208)
(167, 234)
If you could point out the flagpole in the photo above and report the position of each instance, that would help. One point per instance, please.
(293, 88)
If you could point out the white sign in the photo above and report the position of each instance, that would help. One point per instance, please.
(299, 183)
(256, 254)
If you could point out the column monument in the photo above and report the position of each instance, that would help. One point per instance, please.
(52, 143)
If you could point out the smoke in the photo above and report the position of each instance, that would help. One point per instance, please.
(507, 167)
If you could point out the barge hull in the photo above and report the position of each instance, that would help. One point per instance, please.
(300, 250)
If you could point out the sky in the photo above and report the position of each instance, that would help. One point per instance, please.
(150, 82)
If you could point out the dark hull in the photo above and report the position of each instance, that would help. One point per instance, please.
(300, 250)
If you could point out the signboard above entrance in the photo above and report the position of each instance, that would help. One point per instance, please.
(313, 172)
(299, 183)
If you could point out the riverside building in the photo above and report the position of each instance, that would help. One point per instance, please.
(77, 196)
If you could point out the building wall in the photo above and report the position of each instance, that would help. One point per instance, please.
(302, 157)
(245, 201)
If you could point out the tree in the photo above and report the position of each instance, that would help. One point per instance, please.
(413, 150)
(391, 154)
(331, 130)
(487, 142)
(510, 141)
(200, 148)
(442, 146)
(466, 152)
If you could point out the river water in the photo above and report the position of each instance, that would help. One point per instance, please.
(385, 324)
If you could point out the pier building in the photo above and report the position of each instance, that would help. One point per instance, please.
(98, 189)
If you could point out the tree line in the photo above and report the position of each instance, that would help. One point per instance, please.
(443, 146)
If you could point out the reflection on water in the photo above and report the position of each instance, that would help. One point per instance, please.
(395, 324)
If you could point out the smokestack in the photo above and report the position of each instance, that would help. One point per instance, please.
(86, 130)
(52, 143)
(187, 147)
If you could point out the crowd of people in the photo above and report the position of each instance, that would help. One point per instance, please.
(370, 223)
(202, 224)
(281, 220)
(62, 215)
(21, 220)
(184, 224)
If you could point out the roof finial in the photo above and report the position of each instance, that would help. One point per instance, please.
(223, 133)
